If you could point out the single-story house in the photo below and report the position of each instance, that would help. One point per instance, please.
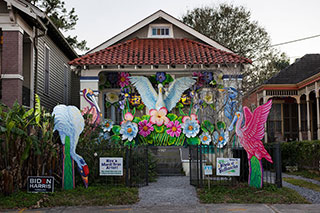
(34, 58)
(158, 43)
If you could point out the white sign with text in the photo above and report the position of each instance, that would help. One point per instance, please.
(228, 166)
(111, 166)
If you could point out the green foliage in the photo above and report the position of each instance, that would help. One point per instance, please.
(242, 193)
(62, 18)
(232, 27)
(94, 196)
(304, 154)
(303, 183)
(207, 126)
(194, 141)
(172, 116)
(27, 147)
(116, 129)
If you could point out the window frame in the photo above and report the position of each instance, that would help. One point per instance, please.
(160, 26)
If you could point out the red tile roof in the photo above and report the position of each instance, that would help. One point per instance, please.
(159, 51)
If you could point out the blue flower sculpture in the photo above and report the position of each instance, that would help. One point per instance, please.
(205, 138)
(161, 77)
(129, 130)
(190, 128)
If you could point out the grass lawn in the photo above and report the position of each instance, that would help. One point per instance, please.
(303, 183)
(242, 193)
(93, 196)
(306, 174)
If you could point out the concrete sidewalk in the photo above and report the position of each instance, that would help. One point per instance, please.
(205, 208)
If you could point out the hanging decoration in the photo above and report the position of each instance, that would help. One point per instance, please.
(250, 136)
(70, 123)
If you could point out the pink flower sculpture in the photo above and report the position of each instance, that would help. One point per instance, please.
(145, 128)
(159, 117)
(123, 79)
(191, 117)
(127, 117)
(174, 129)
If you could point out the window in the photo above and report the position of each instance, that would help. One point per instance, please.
(65, 85)
(274, 124)
(46, 70)
(160, 31)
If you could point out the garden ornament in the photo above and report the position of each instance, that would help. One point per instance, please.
(70, 123)
(250, 136)
(94, 110)
(154, 100)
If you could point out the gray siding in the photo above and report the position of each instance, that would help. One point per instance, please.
(57, 62)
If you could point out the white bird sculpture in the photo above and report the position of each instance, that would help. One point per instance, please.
(155, 101)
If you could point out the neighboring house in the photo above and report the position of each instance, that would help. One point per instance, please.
(295, 94)
(34, 58)
(158, 43)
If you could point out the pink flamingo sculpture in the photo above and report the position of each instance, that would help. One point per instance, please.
(250, 136)
(94, 110)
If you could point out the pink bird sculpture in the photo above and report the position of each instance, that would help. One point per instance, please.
(94, 109)
(250, 136)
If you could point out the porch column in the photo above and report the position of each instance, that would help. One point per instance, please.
(265, 99)
(318, 115)
(299, 118)
(308, 117)
(12, 63)
(89, 82)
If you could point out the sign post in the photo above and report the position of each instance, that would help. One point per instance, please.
(208, 171)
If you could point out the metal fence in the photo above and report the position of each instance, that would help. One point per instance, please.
(202, 155)
(135, 166)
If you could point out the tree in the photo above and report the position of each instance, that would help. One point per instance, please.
(64, 20)
(231, 26)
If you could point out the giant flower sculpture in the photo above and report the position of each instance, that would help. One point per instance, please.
(128, 130)
(221, 139)
(107, 126)
(145, 128)
(174, 128)
(123, 79)
(190, 128)
(205, 138)
(159, 117)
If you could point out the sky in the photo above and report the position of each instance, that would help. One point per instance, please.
(284, 20)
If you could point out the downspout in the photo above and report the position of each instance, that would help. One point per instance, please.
(35, 46)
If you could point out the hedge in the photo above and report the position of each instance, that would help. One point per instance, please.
(304, 154)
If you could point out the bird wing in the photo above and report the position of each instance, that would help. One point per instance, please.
(148, 95)
(247, 114)
(176, 88)
(255, 126)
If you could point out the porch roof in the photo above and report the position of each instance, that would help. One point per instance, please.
(159, 52)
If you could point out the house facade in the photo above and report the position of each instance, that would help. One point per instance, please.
(34, 58)
(158, 43)
(295, 113)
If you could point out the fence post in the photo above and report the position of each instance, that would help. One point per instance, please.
(147, 165)
(278, 165)
(201, 177)
(197, 163)
(190, 161)
(127, 167)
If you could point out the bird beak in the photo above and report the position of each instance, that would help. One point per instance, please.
(85, 181)
(84, 177)
(94, 101)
